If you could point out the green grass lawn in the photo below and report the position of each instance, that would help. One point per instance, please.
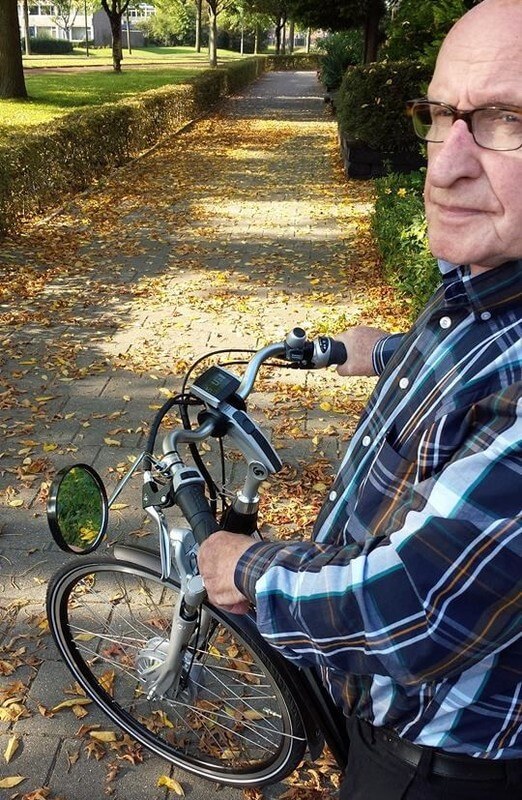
(54, 94)
(140, 55)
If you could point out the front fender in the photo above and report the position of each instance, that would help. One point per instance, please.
(142, 557)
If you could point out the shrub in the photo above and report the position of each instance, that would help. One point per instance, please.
(416, 30)
(44, 45)
(341, 50)
(399, 226)
(240, 73)
(297, 61)
(41, 167)
(371, 106)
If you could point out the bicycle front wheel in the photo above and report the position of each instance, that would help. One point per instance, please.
(233, 719)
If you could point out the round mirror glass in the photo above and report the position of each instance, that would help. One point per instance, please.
(77, 509)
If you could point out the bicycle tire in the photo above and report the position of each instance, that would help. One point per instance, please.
(237, 721)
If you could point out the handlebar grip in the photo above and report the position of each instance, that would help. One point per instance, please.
(236, 522)
(193, 503)
(338, 353)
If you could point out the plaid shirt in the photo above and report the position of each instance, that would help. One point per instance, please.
(409, 598)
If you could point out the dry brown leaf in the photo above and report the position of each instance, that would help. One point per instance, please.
(73, 757)
(12, 746)
(39, 794)
(171, 784)
(74, 701)
(103, 736)
(10, 781)
(79, 711)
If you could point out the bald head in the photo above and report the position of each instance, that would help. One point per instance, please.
(489, 18)
(472, 194)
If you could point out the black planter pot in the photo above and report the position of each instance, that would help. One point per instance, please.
(361, 161)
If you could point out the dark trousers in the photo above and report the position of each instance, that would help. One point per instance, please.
(375, 773)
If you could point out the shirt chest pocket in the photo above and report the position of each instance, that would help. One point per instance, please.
(388, 478)
(431, 448)
(398, 468)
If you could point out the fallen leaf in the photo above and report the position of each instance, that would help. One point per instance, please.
(39, 794)
(12, 747)
(13, 780)
(103, 736)
(171, 784)
(74, 701)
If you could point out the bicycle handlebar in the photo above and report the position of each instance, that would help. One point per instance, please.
(320, 352)
(224, 394)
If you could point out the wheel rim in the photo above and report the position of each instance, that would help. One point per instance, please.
(229, 718)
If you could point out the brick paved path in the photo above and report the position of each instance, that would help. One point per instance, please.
(230, 234)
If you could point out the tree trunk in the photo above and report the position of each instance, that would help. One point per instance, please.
(129, 46)
(199, 12)
(256, 40)
(12, 83)
(278, 30)
(27, 38)
(371, 33)
(291, 36)
(212, 37)
(117, 46)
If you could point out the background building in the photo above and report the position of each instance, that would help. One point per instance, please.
(45, 21)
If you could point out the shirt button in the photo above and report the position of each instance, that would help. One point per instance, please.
(332, 496)
(485, 315)
(367, 440)
(445, 322)
(404, 383)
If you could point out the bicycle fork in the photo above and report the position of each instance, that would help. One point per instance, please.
(188, 617)
(179, 547)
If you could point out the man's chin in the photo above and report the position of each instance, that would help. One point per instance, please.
(455, 252)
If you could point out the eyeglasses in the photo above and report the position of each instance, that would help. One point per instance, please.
(492, 127)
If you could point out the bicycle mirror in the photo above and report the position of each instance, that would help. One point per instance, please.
(77, 509)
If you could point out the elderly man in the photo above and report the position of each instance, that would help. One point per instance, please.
(409, 597)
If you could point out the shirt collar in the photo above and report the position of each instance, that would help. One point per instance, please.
(494, 289)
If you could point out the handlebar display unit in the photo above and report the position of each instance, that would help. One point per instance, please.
(215, 385)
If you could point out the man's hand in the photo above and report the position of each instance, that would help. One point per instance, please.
(359, 342)
(217, 559)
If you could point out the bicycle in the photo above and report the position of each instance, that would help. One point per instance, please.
(194, 684)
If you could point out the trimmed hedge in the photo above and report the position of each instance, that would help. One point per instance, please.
(44, 45)
(399, 227)
(371, 104)
(306, 62)
(39, 168)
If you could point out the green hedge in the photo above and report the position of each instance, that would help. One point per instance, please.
(341, 50)
(371, 104)
(44, 45)
(40, 168)
(399, 227)
(306, 62)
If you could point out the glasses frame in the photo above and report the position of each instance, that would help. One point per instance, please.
(465, 116)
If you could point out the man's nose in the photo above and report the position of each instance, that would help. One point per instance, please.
(458, 156)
